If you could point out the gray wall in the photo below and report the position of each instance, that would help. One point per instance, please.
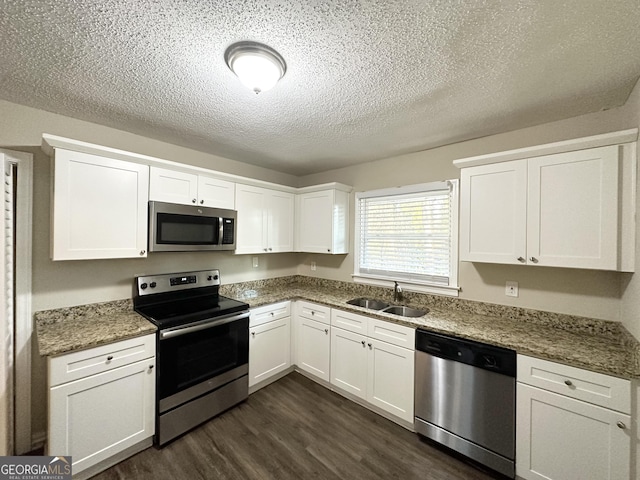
(578, 292)
(606, 295)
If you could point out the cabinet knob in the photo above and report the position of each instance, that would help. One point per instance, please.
(109, 358)
(329, 250)
(142, 252)
(621, 425)
(362, 343)
(521, 259)
(253, 334)
(369, 345)
(193, 200)
(568, 383)
(270, 249)
(326, 331)
(150, 367)
(534, 259)
(312, 312)
(201, 202)
(265, 249)
(272, 314)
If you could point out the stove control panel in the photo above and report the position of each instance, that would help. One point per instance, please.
(170, 282)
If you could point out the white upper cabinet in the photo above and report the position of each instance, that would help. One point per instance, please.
(99, 207)
(569, 209)
(322, 224)
(265, 220)
(190, 189)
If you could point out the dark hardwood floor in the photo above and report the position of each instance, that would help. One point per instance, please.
(296, 429)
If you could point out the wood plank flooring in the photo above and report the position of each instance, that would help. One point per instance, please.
(296, 429)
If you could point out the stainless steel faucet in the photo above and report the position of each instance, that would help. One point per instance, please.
(397, 292)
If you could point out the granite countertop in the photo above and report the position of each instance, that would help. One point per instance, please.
(597, 345)
(65, 330)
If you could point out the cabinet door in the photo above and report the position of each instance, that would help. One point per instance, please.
(251, 227)
(390, 378)
(573, 209)
(349, 362)
(269, 350)
(315, 222)
(172, 186)
(280, 222)
(216, 193)
(101, 415)
(313, 352)
(559, 438)
(493, 213)
(99, 207)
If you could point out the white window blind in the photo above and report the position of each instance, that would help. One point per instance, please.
(407, 235)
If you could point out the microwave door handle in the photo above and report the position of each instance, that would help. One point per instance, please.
(221, 230)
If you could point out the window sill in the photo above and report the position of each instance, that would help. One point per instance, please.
(408, 285)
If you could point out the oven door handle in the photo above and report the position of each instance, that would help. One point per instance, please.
(202, 326)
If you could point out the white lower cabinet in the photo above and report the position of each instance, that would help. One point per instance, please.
(314, 348)
(111, 409)
(564, 429)
(269, 342)
(380, 372)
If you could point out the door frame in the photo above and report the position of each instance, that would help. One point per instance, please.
(23, 309)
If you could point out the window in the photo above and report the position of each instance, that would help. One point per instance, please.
(409, 235)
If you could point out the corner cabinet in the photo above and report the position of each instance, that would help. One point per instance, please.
(102, 403)
(99, 207)
(572, 424)
(265, 220)
(269, 343)
(322, 220)
(313, 345)
(175, 186)
(571, 209)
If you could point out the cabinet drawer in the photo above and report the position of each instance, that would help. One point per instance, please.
(312, 311)
(392, 333)
(596, 388)
(267, 313)
(74, 366)
(350, 321)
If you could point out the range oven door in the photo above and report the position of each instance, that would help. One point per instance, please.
(198, 358)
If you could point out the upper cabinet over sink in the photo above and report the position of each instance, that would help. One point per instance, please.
(568, 204)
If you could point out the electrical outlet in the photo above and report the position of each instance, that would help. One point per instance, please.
(254, 261)
(313, 266)
(511, 289)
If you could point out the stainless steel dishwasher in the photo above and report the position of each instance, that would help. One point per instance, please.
(465, 396)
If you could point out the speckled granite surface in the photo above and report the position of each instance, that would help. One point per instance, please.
(75, 328)
(597, 345)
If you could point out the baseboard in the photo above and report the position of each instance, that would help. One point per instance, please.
(275, 378)
(38, 440)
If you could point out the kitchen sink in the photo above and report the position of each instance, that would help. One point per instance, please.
(368, 303)
(404, 311)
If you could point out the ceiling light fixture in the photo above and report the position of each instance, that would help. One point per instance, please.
(258, 66)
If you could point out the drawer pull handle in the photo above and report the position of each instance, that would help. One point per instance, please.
(109, 358)
(568, 383)
(621, 425)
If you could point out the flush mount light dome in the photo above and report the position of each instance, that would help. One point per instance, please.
(258, 66)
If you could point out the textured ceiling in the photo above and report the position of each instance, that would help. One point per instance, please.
(365, 79)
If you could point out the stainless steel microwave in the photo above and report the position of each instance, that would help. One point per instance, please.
(187, 228)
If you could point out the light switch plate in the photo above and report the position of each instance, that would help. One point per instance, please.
(313, 266)
(254, 262)
(511, 289)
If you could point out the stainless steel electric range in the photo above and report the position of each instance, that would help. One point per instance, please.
(202, 348)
